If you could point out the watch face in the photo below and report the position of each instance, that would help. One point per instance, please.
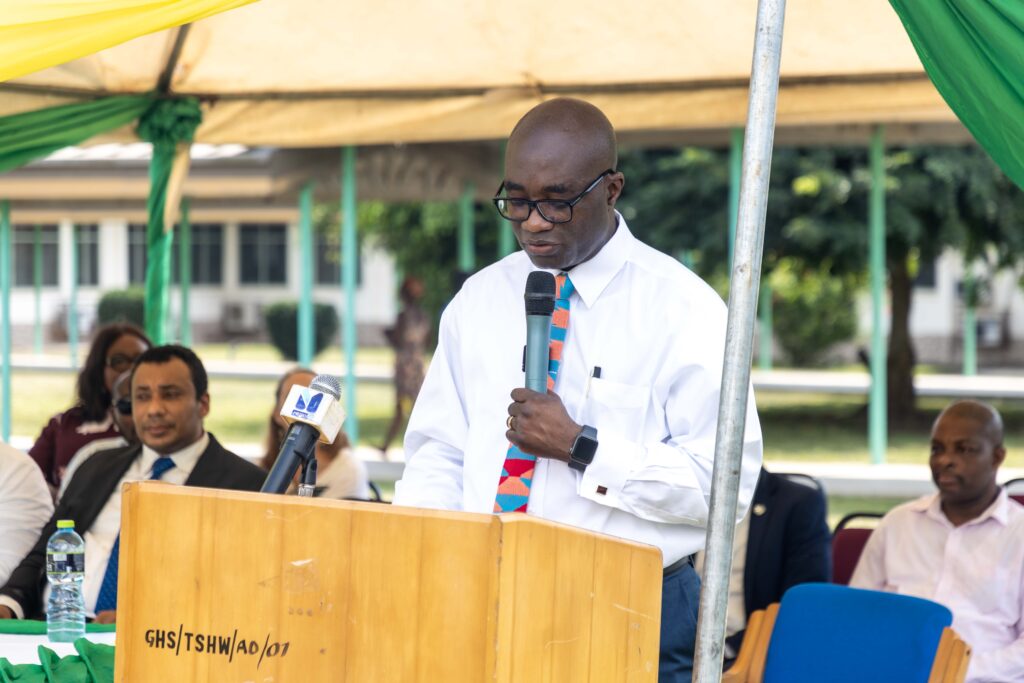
(585, 447)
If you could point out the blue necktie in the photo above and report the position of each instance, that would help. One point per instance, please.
(108, 589)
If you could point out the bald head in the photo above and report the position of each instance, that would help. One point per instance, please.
(563, 152)
(576, 123)
(989, 422)
(966, 452)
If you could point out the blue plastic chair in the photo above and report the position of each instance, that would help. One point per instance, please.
(826, 632)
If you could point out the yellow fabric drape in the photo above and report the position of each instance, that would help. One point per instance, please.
(38, 34)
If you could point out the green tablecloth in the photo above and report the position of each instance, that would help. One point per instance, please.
(94, 662)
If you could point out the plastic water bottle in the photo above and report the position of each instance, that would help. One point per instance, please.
(65, 570)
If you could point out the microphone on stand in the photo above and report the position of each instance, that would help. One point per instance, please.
(540, 304)
(313, 414)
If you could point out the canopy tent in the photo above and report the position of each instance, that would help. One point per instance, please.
(322, 73)
(316, 73)
(43, 33)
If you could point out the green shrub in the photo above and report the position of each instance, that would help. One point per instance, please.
(123, 305)
(812, 310)
(282, 323)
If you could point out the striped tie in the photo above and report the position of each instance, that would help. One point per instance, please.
(108, 589)
(517, 474)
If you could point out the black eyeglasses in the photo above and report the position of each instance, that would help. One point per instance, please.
(120, 362)
(551, 210)
(124, 405)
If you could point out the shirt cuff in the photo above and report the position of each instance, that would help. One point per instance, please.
(604, 478)
(7, 601)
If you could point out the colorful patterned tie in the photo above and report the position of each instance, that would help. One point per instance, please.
(517, 474)
(108, 589)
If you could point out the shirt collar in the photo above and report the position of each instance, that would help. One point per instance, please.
(591, 277)
(185, 459)
(998, 510)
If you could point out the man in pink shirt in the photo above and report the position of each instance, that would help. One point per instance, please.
(963, 546)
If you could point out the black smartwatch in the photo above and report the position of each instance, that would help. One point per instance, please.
(582, 452)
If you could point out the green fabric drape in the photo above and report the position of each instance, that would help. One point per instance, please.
(34, 134)
(94, 663)
(166, 124)
(973, 51)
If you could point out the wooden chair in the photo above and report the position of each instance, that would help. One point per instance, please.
(849, 659)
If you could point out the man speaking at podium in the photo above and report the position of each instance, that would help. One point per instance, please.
(623, 442)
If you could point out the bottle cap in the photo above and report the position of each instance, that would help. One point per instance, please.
(66, 524)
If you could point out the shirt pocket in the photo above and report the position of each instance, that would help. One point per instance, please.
(617, 407)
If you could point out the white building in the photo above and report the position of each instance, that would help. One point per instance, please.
(245, 240)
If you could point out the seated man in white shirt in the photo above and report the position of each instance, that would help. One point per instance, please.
(25, 505)
(169, 402)
(962, 547)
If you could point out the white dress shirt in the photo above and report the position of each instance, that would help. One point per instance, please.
(657, 332)
(99, 539)
(25, 507)
(344, 477)
(975, 569)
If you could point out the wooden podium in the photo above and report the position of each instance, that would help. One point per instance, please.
(246, 587)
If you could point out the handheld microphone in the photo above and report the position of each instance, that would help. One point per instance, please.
(313, 414)
(540, 304)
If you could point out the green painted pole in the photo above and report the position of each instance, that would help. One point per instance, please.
(185, 272)
(467, 250)
(349, 254)
(764, 356)
(37, 286)
(5, 321)
(877, 409)
(506, 238)
(305, 330)
(970, 326)
(73, 304)
(735, 172)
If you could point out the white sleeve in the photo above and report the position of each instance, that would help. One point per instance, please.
(25, 507)
(438, 427)
(670, 481)
(870, 570)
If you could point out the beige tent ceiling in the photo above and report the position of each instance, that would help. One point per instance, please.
(328, 72)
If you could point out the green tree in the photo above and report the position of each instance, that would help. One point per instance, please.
(937, 198)
(422, 238)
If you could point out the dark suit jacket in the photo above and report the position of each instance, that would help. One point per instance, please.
(789, 542)
(91, 487)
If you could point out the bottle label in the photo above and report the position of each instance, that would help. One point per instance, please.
(65, 563)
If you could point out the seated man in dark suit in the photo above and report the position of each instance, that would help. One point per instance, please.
(169, 402)
(782, 542)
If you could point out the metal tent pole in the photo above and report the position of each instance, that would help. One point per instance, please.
(877, 408)
(970, 360)
(305, 332)
(743, 292)
(5, 320)
(506, 240)
(185, 274)
(467, 242)
(73, 304)
(735, 173)
(37, 286)
(349, 258)
(764, 355)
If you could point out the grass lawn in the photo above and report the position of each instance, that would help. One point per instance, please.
(239, 409)
(256, 352)
(823, 428)
(797, 427)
